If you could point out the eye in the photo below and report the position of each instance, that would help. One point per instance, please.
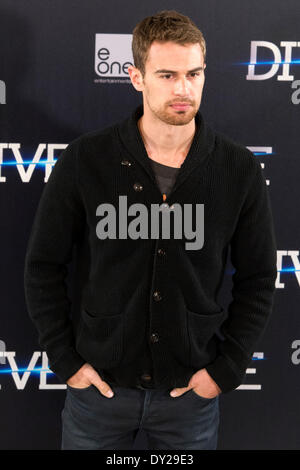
(168, 75)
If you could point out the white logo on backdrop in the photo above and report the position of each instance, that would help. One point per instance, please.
(295, 358)
(20, 375)
(293, 258)
(262, 151)
(113, 56)
(283, 60)
(25, 167)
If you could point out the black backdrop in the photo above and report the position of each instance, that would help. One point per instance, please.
(51, 92)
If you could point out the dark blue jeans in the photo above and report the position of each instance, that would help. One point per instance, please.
(92, 421)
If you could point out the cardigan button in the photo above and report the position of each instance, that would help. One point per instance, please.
(138, 187)
(126, 162)
(161, 252)
(157, 296)
(154, 338)
(146, 377)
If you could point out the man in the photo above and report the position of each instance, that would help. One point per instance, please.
(149, 322)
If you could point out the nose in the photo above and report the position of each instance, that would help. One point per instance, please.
(181, 87)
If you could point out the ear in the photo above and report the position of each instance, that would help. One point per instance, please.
(136, 78)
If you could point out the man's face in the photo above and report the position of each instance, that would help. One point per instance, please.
(173, 74)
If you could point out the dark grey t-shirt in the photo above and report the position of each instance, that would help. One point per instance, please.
(165, 176)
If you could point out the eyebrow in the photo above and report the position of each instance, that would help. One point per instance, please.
(173, 71)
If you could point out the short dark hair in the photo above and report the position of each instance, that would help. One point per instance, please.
(166, 25)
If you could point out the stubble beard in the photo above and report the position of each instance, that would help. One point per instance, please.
(174, 117)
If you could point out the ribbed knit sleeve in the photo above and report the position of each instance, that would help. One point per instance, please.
(58, 222)
(253, 255)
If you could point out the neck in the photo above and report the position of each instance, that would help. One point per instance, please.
(166, 143)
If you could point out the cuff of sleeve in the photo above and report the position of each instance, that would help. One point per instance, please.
(67, 365)
(224, 375)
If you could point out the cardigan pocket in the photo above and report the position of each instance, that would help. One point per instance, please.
(202, 333)
(100, 339)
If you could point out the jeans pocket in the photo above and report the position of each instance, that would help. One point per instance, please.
(77, 389)
(202, 398)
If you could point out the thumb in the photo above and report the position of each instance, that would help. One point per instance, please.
(176, 392)
(102, 386)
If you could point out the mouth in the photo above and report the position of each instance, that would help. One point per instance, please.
(180, 106)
